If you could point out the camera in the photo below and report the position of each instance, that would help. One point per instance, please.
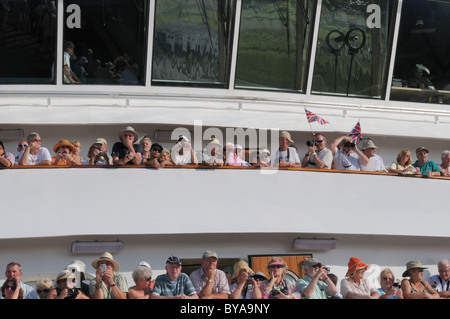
(277, 291)
(349, 144)
(250, 275)
(396, 284)
(311, 143)
(72, 293)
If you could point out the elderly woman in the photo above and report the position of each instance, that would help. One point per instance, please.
(445, 163)
(387, 289)
(403, 164)
(6, 159)
(355, 286)
(76, 151)
(43, 288)
(142, 277)
(244, 285)
(277, 286)
(62, 156)
(164, 158)
(415, 287)
(11, 289)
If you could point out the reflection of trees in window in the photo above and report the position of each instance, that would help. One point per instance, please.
(341, 66)
(110, 33)
(192, 42)
(274, 44)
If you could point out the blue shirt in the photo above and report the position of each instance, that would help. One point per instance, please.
(428, 166)
(181, 286)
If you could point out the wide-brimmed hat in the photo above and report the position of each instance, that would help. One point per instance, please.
(108, 257)
(65, 274)
(260, 274)
(63, 143)
(129, 129)
(355, 264)
(287, 135)
(412, 265)
(422, 148)
(368, 143)
(240, 265)
(213, 141)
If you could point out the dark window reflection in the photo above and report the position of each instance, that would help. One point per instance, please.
(110, 40)
(422, 61)
(275, 44)
(192, 42)
(27, 41)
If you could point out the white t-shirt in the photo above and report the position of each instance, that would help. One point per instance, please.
(346, 161)
(290, 155)
(375, 164)
(325, 155)
(42, 155)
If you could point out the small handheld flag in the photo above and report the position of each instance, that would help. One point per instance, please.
(356, 134)
(314, 118)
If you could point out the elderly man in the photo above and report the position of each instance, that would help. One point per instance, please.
(346, 155)
(174, 284)
(285, 156)
(125, 151)
(108, 284)
(34, 154)
(316, 284)
(210, 282)
(376, 163)
(318, 155)
(425, 166)
(441, 282)
(14, 271)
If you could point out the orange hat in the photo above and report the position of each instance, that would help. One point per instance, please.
(355, 264)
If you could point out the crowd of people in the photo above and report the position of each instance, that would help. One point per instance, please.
(342, 154)
(236, 282)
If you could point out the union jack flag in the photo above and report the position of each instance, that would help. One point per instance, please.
(356, 134)
(314, 118)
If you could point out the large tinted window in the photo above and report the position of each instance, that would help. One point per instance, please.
(274, 44)
(27, 41)
(109, 39)
(192, 42)
(422, 61)
(353, 48)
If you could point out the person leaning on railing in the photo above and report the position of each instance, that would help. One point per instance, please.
(34, 154)
(6, 159)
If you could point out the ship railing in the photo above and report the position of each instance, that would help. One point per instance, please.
(209, 167)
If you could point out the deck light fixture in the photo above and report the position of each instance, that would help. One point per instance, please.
(11, 134)
(84, 247)
(314, 244)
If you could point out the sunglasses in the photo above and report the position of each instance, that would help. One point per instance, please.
(148, 279)
(156, 150)
(8, 287)
(276, 266)
(39, 291)
(319, 141)
(23, 145)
